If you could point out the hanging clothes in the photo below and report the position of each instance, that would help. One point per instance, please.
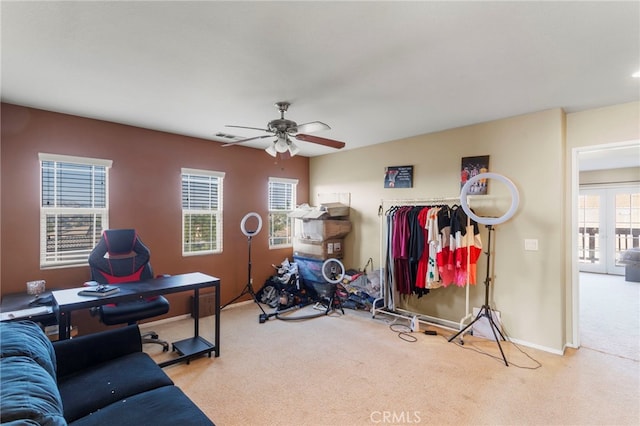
(433, 244)
(430, 247)
(444, 258)
(467, 250)
(423, 262)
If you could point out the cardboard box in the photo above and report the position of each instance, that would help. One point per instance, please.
(321, 230)
(323, 211)
(326, 249)
(335, 210)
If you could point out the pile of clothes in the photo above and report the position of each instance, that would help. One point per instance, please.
(362, 289)
(286, 288)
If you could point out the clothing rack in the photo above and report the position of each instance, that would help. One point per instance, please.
(403, 313)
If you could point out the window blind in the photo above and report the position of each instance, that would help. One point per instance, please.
(73, 208)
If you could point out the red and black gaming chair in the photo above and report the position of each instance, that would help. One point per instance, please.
(121, 257)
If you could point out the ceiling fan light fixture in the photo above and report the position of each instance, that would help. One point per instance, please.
(281, 145)
(293, 148)
(271, 150)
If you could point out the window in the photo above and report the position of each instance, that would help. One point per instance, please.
(73, 208)
(201, 212)
(282, 201)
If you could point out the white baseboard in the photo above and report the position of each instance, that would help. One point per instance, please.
(539, 347)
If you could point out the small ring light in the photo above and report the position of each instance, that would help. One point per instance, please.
(324, 272)
(515, 199)
(243, 224)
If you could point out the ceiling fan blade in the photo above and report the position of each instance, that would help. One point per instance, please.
(321, 141)
(312, 127)
(251, 128)
(246, 140)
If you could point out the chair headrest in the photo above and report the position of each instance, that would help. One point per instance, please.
(120, 241)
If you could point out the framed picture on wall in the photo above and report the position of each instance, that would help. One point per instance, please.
(398, 177)
(472, 166)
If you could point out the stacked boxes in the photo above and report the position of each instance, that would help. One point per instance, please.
(320, 231)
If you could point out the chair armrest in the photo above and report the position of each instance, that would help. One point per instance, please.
(84, 352)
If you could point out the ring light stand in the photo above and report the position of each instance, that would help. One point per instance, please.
(489, 222)
(333, 272)
(248, 289)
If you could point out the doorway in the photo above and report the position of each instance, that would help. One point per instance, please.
(602, 210)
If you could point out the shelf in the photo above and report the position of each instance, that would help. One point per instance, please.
(190, 348)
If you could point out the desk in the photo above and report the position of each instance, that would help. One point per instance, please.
(20, 306)
(68, 301)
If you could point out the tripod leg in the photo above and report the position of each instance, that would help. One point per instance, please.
(335, 303)
(494, 328)
(329, 305)
(244, 291)
(255, 297)
(493, 323)
(452, 338)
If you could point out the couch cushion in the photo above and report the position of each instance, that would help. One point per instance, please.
(28, 393)
(27, 338)
(91, 389)
(162, 406)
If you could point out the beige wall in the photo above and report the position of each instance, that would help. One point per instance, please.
(528, 286)
(534, 290)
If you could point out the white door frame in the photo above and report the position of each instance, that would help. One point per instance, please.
(575, 191)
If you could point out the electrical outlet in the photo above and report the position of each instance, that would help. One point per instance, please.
(531, 245)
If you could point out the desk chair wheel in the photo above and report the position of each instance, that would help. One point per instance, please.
(152, 337)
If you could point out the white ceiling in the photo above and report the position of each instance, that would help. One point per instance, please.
(373, 71)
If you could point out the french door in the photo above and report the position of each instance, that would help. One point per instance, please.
(609, 224)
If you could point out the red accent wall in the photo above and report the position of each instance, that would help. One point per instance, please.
(144, 194)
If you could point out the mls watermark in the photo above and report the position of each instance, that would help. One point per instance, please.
(395, 417)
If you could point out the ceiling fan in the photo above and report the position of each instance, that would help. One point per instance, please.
(284, 130)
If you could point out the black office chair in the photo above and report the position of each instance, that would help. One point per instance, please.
(121, 257)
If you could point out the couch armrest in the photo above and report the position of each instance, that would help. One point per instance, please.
(83, 352)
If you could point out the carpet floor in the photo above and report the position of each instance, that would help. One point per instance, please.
(354, 370)
(610, 315)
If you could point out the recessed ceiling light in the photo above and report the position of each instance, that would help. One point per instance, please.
(636, 74)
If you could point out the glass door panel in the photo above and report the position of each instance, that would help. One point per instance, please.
(608, 225)
(591, 232)
(625, 203)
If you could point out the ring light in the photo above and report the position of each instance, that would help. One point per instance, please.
(338, 278)
(244, 223)
(515, 199)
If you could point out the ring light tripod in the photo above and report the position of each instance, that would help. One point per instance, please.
(248, 289)
(485, 310)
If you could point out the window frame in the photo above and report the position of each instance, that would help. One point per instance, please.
(59, 258)
(215, 214)
(292, 201)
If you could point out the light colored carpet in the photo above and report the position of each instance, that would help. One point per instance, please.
(354, 370)
(610, 315)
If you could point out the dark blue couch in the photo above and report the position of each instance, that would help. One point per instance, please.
(98, 379)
